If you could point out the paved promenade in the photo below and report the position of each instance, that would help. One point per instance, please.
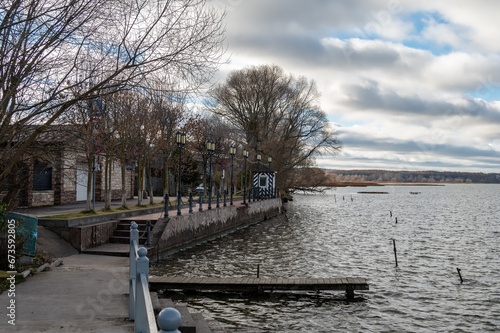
(86, 293)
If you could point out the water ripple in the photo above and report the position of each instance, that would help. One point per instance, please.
(442, 228)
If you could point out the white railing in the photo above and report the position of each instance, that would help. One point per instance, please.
(140, 306)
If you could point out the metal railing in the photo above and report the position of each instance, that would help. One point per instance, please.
(140, 305)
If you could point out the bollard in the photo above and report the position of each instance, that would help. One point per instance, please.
(169, 320)
(201, 201)
(190, 202)
(148, 234)
(395, 255)
(460, 275)
(225, 199)
(218, 199)
(165, 200)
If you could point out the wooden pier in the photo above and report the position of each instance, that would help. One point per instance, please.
(259, 284)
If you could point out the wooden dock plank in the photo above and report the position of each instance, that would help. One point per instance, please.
(254, 284)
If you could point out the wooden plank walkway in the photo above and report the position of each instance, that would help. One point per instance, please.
(258, 284)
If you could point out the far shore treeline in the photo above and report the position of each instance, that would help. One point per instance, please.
(414, 176)
(326, 177)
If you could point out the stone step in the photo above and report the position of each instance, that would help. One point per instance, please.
(201, 324)
(124, 239)
(125, 225)
(155, 301)
(124, 233)
(188, 325)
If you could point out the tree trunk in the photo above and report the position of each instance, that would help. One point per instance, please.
(124, 183)
(90, 175)
(150, 184)
(107, 180)
(140, 181)
(165, 177)
(11, 199)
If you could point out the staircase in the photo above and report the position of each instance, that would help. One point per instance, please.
(122, 233)
(191, 322)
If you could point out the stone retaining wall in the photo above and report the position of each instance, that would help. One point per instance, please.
(87, 236)
(177, 231)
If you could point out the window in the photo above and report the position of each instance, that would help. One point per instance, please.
(263, 181)
(42, 177)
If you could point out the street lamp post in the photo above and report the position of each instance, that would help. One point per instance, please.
(232, 151)
(95, 169)
(210, 148)
(269, 160)
(245, 156)
(180, 138)
(259, 158)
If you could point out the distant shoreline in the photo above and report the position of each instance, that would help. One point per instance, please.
(366, 184)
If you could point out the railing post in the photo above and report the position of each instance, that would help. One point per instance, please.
(141, 315)
(134, 236)
(148, 234)
(201, 201)
(190, 202)
(166, 199)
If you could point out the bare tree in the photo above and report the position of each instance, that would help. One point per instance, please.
(278, 115)
(55, 54)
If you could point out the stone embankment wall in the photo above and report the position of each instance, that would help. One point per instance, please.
(177, 231)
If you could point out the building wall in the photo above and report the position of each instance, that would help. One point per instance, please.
(42, 198)
(116, 181)
(64, 181)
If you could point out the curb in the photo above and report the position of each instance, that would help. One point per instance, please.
(56, 263)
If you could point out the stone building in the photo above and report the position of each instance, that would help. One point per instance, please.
(58, 175)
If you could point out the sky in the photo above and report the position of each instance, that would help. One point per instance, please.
(407, 85)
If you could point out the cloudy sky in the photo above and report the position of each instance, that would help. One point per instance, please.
(408, 85)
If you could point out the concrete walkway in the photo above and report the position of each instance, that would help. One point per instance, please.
(78, 207)
(86, 294)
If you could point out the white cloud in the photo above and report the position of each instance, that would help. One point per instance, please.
(402, 103)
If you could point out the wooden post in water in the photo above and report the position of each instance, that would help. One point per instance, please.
(390, 212)
(396, 220)
(460, 275)
(395, 254)
(258, 270)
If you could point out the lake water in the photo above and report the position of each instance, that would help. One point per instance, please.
(343, 233)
